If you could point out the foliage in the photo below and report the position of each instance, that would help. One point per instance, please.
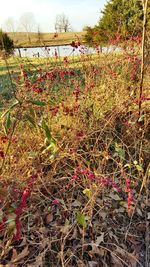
(6, 43)
(122, 18)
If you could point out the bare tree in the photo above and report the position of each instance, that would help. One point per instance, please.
(10, 25)
(62, 23)
(27, 22)
(40, 36)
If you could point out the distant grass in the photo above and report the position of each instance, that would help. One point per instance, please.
(45, 39)
(32, 65)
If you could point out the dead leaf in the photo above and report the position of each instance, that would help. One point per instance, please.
(16, 258)
(141, 226)
(49, 218)
(39, 260)
(99, 239)
(133, 259)
(115, 262)
(114, 196)
(96, 250)
(139, 212)
(133, 239)
(66, 227)
(92, 264)
(76, 203)
(80, 263)
(103, 214)
(113, 236)
(130, 212)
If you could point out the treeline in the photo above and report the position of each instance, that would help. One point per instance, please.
(120, 18)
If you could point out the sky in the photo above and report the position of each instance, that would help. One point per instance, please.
(79, 12)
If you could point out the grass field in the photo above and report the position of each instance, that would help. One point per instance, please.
(21, 39)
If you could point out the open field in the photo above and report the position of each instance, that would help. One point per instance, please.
(21, 39)
(75, 161)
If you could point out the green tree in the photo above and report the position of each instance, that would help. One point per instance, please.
(6, 43)
(119, 17)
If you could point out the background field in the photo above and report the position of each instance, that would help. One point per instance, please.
(44, 39)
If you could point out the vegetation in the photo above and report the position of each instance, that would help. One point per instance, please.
(122, 18)
(6, 43)
(62, 23)
(75, 168)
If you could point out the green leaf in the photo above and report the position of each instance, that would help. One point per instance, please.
(87, 192)
(32, 154)
(139, 168)
(46, 129)
(142, 118)
(120, 152)
(127, 165)
(30, 119)
(38, 102)
(11, 221)
(81, 219)
(8, 122)
(52, 148)
(32, 112)
(12, 106)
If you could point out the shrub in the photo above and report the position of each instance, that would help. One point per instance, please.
(6, 43)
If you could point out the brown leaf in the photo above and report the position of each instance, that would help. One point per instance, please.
(115, 262)
(114, 196)
(76, 203)
(80, 263)
(113, 236)
(130, 212)
(133, 239)
(39, 260)
(92, 264)
(141, 226)
(100, 239)
(49, 218)
(66, 227)
(16, 258)
(96, 250)
(133, 259)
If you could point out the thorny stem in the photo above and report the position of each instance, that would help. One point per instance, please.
(145, 7)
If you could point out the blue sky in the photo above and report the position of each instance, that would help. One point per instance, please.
(79, 12)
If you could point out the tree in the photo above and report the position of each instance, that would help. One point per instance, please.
(62, 23)
(95, 36)
(27, 22)
(121, 17)
(39, 33)
(6, 43)
(10, 25)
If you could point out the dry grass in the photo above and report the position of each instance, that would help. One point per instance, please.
(21, 39)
